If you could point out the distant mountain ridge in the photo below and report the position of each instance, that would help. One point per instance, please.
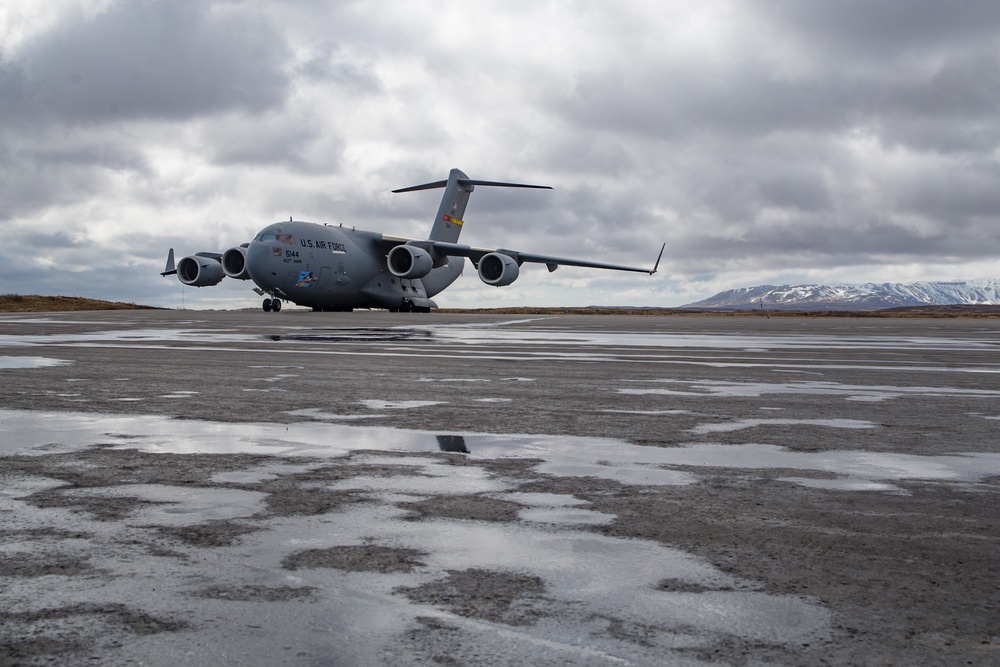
(869, 296)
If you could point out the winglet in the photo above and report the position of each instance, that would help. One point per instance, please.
(658, 257)
(170, 268)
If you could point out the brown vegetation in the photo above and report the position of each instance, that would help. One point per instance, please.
(913, 311)
(33, 303)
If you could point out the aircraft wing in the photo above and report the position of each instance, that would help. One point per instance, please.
(552, 263)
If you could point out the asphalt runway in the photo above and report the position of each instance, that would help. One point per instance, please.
(205, 488)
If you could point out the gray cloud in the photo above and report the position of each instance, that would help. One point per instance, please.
(788, 137)
(883, 28)
(158, 59)
(326, 63)
(795, 189)
(39, 173)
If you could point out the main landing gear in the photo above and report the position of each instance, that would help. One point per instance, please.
(271, 304)
(408, 307)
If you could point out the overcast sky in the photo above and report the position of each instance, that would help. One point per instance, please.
(769, 142)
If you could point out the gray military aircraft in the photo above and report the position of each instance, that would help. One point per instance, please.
(339, 268)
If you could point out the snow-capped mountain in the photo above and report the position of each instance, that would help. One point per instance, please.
(869, 296)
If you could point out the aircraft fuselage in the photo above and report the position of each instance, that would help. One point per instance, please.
(327, 267)
(340, 268)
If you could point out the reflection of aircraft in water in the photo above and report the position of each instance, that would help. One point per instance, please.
(452, 443)
(339, 268)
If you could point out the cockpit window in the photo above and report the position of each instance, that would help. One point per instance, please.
(280, 237)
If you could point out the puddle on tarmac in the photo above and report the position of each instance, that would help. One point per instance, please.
(840, 484)
(179, 506)
(355, 334)
(453, 380)
(722, 389)
(559, 456)
(590, 581)
(376, 404)
(142, 336)
(567, 516)
(512, 341)
(648, 412)
(31, 362)
(322, 415)
(727, 427)
(177, 393)
(499, 334)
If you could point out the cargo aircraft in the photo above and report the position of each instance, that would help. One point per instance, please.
(339, 268)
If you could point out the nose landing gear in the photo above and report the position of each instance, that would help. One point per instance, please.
(272, 298)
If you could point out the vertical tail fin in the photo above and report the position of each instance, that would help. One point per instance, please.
(451, 212)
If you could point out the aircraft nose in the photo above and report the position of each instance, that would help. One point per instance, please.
(259, 261)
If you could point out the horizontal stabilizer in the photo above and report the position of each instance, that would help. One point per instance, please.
(465, 182)
(448, 222)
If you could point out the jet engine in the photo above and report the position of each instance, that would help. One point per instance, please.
(407, 261)
(200, 271)
(498, 269)
(234, 263)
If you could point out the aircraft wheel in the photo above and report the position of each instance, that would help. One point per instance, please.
(267, 305)
(276, 305)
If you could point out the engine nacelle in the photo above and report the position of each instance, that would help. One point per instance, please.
(198, 271)
(497, 269)
(407, 261)
(234, 263)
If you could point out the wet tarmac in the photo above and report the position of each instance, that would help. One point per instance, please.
(371, 488)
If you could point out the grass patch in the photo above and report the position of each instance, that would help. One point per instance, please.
(33, 303)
